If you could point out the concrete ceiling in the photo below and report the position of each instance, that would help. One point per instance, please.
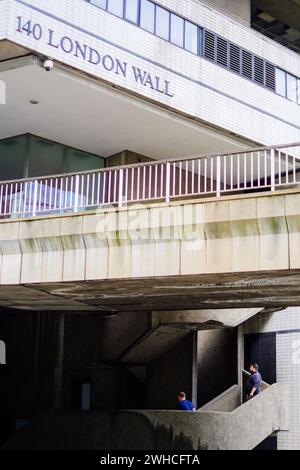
(279, 20)
(213, 291)
(94, 117)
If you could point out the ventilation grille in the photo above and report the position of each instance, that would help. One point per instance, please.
(259, 70)
(270, 76)
(247, 65)
(209, 45)
(235, 58)
(222, 52)
(238, 60)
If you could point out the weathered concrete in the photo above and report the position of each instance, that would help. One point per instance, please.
(154, 344)
(205, 319)
(217, 362)
(240, 10)
(8, 50)
(242, 429)
(234, 252)
(227, 401)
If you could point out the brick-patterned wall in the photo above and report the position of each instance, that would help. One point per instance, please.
(200, 88)
(286, 324)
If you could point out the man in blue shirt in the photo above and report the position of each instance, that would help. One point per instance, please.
(253, 385)
(184, 404)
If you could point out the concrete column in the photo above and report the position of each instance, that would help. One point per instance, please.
(58, 371)
(240, 358)
(195, 369)
(126, 157)
(36, 359)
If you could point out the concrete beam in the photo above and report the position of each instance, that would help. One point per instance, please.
(205, 319)
(233, 252)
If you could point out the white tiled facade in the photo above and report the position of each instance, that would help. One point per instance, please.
(286, 324)
(197, 87)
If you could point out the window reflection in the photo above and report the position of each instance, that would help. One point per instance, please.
(177, 27)
(162, 25)
(116, 7)
(147, 15)
(191, 37)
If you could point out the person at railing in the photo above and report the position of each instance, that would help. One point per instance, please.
(184, 404)
(253, 385)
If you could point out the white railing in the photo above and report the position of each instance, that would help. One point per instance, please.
(260, 169)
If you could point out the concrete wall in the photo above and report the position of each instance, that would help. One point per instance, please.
(232, 234)
(242, 429)
(286, 325)
(239, 10)
(217, 363)
(47, 357)
(227, 401)
(171, 374)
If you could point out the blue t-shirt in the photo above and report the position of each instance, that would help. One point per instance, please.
(254, 381)
(186, 405)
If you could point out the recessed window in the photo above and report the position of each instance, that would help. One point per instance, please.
(191, 37)
(99, 3)
(162, 26)
(280, 82)
(291, 87)
(177, 27)
(116, 7)
(131, 10)
(147, 18)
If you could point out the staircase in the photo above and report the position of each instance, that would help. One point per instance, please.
(222, 424)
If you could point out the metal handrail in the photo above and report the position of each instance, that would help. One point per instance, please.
(264, 168)
(155, 162)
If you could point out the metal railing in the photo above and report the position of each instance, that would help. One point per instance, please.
(265, 168)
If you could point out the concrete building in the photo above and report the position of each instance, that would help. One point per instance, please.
(149, 223)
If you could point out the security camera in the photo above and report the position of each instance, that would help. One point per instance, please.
(48, 65)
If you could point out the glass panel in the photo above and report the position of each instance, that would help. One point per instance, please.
(99, 3)
(116, 7)
(45, 157)
(162, 23)
(191, 37)
(177, 24)
(12, 158)
(280, 82)
(291, 87)
(298, 91)
(76, 161)
(131, 10)
(147, 15)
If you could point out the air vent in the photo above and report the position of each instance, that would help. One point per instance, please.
(209, 45)
(270, 76)
(259, 70)
(235, 58)
(247, 68)
(222, 52)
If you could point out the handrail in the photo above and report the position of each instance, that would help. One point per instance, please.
(157, 162)
(266, 168)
